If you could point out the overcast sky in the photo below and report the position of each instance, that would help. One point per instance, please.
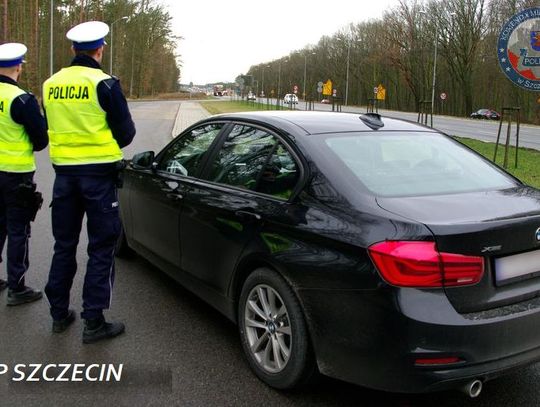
(223, 38)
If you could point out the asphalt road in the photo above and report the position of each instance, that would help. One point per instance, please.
(486, 130)
(177, 351)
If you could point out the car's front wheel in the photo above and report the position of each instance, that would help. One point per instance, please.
(273, 331)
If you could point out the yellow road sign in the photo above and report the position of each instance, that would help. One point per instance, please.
(327, 88)
(381, 92)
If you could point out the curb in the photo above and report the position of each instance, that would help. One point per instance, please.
(174, 131)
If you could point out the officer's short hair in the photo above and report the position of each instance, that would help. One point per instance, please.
(87, 52)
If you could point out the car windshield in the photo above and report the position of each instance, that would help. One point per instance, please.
(409, 164)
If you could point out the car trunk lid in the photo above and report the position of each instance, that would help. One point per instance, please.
(501, 226)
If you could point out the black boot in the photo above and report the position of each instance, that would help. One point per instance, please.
(98, 329)
(60, 325)
(3, 284)
(23, 296)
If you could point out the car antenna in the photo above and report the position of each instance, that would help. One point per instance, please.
(372, 120)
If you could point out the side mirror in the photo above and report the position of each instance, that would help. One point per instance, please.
(143, 161)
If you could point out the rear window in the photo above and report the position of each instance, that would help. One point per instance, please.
(406, 164)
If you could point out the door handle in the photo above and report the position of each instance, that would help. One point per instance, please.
(175, 197)
(248, 215)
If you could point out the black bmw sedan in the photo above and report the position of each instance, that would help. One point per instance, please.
(369, 249)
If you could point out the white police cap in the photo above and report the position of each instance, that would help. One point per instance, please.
(12, 54)
(89, 35)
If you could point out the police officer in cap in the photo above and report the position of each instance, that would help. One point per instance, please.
(22, 131)
(89, 122)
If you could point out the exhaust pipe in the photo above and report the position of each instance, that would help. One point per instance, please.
(473, 388)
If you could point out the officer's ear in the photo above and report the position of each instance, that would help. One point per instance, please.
(100, 52)
(18, 71)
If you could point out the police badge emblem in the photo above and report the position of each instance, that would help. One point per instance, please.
(535, 40)
(518, 49)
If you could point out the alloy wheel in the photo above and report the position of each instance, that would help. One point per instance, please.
(268, 328)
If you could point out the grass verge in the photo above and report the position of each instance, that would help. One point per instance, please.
(528, 169)
(233, 107)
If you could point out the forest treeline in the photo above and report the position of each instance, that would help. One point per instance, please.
(397, 51)
(144, 46)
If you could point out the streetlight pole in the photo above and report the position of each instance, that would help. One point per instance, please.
(305, 72)
(51, 69)
(347, 73)
(112, 42)
(434, 72)
(262, 85)
(347, 76)
(279, 79)
(433, 83)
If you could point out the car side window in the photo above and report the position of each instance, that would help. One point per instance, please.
(280, 174)
(254, 159)
(184, 156)
(242, 157)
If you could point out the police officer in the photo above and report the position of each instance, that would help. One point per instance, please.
(22, 131)
(89, 122)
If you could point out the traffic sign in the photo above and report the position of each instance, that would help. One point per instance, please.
(334, 92)
(319, 84)
(319, 89)
(443, 96)
(375, 90)
(295, 89)
(381, 92)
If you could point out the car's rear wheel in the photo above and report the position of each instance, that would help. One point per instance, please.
(273, 331)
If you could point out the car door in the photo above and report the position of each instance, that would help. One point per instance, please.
(157, 194)
(224, 211)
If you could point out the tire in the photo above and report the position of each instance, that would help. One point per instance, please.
(122, 250)
(284, 334)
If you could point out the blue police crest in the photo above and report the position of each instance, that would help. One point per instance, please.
(535, 40)
(518, 49)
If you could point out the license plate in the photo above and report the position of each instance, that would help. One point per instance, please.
(517, 267)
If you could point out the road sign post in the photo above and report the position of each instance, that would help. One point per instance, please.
(443, 97)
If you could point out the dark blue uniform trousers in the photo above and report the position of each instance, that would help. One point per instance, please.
(73, 196)
(15, 226)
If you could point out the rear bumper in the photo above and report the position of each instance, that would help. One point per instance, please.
(373, 337)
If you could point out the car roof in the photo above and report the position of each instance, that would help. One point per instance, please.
(311, 122)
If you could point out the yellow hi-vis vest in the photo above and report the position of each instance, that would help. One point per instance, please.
(16, 149)
(78, 129)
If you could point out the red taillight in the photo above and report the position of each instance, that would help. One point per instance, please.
(437, 361)
(419, 264)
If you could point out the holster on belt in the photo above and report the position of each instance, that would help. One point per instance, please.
(27, 197)
(120, 166)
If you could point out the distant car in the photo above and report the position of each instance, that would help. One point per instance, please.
(251, 96)
(367, 248)
(487, 114)
(326, 101)
(290, 98)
